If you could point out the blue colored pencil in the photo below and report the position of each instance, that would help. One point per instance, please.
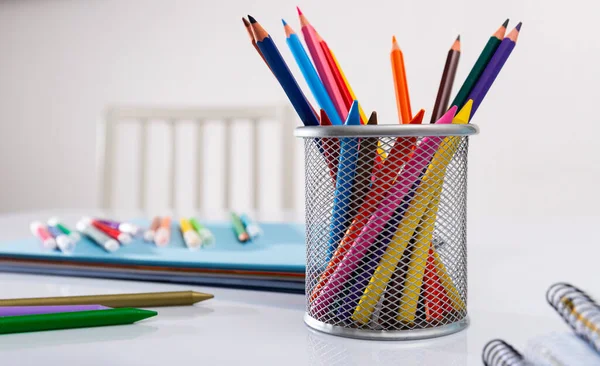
(493, 68)
(344, 183)
(310, 74)
(283, 74)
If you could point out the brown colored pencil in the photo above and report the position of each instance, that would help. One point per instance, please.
(364, 168)
(253, 40)
(448, 76)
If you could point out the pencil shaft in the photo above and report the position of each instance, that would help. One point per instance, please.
(400, 84)
(446, 83)
(316, 52)
(363, 117)
(383, 180)
(482, 61)
(421, 157)
(82, 319)
(312, 78)
(31, 310)
(490, 73)
(153, 299)
(287, 81)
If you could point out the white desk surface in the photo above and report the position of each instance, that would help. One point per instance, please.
(512, 262)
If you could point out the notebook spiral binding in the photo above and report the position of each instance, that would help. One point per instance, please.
(499, 353)
(578, 309)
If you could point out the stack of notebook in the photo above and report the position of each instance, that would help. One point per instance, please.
(579, 348)
(275, 261)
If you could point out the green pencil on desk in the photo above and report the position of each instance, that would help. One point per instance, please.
(81, 319)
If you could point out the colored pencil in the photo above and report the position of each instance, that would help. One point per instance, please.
(283, 74)
(331, 148)
(337, 75)
(400, 83)
(326, 49)
(253, 40)
(81, 319)
(373, 256)
(325, 73)
(364, 169)
(421, 157)
(484, 58)
(383, 180)
(238, 228)
(406, 228)
(447, 81)
(349, 148)
(141, 300)
(437, 303)
(32, 310)
(493, 68)
(310, 74)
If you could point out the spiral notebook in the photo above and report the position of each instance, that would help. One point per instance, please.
(580, 312)
(275, 261)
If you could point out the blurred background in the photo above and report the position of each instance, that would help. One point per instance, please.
(66, 64)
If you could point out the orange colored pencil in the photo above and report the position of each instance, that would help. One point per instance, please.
(383, 180)
(400, 84)
(253, 40)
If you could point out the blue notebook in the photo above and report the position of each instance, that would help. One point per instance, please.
(274, 261)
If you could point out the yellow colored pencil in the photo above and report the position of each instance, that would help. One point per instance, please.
(429, 190)
(363, 116)
(393, 254)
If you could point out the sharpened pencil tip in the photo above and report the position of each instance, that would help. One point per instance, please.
(505, 24)
(518, 27)
(458, 38)
(284, 22)
(394, 39)
(246, 22)
(251, 18)
(299, 11)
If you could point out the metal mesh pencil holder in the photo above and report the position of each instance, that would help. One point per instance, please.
(386, 229)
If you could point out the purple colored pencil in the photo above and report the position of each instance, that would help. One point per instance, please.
(493, 68)
(33, 310)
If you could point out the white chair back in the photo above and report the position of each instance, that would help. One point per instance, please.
(227, 117)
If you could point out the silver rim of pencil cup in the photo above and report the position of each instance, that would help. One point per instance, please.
(387, 130)
(387, 335)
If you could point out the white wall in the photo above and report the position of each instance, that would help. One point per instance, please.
(63, 61)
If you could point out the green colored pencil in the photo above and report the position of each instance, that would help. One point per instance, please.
(480, 64)
(80, 319)
(238, 228)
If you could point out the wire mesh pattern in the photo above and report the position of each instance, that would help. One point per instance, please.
(386, 231)
(579, 310)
